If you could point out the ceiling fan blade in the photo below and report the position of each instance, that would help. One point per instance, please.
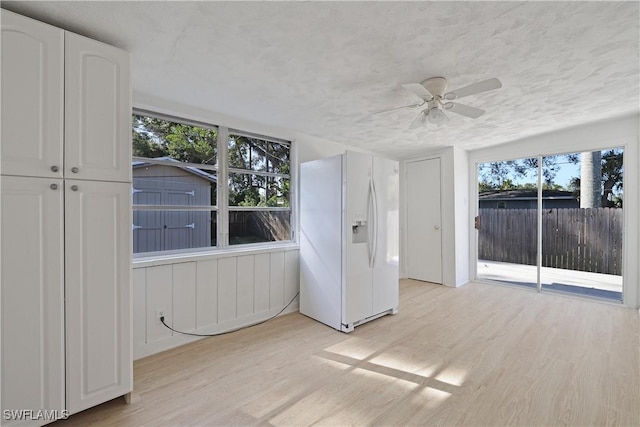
(418, 90)
(388, 110)
(474, 88)
(420, 120)
(464, 110)
(373, 113)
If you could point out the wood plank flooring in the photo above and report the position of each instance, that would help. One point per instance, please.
(477, 355)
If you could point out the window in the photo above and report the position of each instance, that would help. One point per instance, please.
(259, 186)
(176, 170)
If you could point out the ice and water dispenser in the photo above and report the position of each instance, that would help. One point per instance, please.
(359, 232)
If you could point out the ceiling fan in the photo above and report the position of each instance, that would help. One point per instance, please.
(436, 100)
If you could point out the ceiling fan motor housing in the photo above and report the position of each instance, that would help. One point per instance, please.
(437, 86)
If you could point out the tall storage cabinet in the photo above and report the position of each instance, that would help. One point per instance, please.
(65, 221)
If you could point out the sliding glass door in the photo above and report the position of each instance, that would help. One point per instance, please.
(553, 223)
(507, 221)
(582, 218)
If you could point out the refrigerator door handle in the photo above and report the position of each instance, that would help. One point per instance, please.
(374, 251)
(370, 223)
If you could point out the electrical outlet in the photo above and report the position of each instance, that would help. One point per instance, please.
(159, 314)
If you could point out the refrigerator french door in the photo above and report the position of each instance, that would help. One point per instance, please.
(349, 239)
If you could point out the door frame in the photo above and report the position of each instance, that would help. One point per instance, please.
(552, 145)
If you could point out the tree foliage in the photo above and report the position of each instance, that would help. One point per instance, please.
(154, 138)
(505, 174)
(159, 138)
(501, 175)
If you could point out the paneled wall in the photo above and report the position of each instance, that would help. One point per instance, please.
(209, 294)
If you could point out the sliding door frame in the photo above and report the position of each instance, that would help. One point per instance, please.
(631, 163)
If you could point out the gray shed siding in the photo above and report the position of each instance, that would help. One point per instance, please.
(169, 230)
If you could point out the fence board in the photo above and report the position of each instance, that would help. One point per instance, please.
(574, 239)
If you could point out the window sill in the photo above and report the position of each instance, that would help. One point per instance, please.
(155, 260)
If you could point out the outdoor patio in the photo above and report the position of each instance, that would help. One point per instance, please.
(576, 282)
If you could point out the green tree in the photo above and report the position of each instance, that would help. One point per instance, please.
(501, 175)
(159, 138)
(612, 178)
(154, 138)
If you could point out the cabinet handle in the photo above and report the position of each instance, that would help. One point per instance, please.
(74, 169)
(53, 186)
(54, 169)
(74, 188)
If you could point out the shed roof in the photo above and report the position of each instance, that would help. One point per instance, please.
(163, 161)
(526, 195)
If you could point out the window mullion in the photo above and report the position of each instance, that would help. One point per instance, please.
(223, 187)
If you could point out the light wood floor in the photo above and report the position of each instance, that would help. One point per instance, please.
(476, 355)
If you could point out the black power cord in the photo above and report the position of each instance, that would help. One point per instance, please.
(232, 330)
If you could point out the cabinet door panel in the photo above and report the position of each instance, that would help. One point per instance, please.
(98, 292)
(32, 294)
(97, 111)
(32, 103)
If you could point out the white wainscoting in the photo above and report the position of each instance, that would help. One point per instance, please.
(209, 293)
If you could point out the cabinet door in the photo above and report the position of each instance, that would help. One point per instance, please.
(32, 295)
(98, 292)
(32, 97)
(97, 111)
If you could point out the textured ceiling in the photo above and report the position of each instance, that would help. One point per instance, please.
(320, 67)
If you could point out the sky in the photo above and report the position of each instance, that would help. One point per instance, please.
(567, 170)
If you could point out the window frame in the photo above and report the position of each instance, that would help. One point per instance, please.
(223, 171)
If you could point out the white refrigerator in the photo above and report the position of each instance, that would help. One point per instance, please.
(349, 234)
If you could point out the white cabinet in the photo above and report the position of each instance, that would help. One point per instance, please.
(32, 97)
(98, 291)
(65, 225)
(62, 92)
(97, 111)
(33, 374)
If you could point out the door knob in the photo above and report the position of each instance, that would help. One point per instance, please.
(436, 227)
(74, 169)
(74, 188)
(54, 169)
(53, 186)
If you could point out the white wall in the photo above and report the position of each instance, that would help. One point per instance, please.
(618, 132)
(461, 216)
(218, 291)
(209, 293)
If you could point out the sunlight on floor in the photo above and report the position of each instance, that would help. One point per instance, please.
(453, 376)
(354, 347)
(434, 396)
(402, 360)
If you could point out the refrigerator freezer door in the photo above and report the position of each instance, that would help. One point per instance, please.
(357, 302)
(385, 267)
(321, 240)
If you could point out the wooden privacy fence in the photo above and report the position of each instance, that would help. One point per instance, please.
(573, 239)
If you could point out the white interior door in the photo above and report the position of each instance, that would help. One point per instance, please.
(424, 234)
